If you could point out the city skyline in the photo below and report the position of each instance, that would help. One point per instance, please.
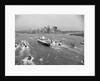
(62, 21)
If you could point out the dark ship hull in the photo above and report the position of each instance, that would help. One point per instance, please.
(43, 42)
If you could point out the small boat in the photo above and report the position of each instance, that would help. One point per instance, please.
(28, 61)
(17, 46)
(58, 44)
(44, 42)
(82, 42)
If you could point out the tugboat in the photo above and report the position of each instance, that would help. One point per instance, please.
(42, 40)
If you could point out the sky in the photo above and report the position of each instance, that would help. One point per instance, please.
(62, 21)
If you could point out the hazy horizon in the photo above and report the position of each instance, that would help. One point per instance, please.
(62, 21)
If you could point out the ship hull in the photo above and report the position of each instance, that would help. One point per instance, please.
(43, 43)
